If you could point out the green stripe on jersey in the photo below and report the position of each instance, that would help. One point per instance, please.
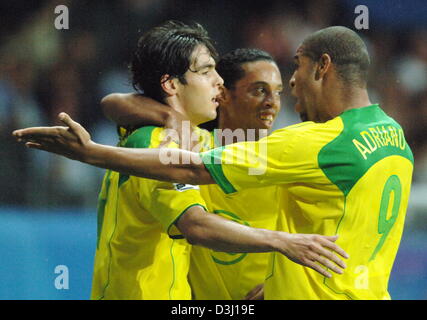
(369, 135)
(102, 201)
(212, 161)
(140, 138)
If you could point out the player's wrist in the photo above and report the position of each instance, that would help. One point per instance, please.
(90, 153)
(275, 239)
(281, 242)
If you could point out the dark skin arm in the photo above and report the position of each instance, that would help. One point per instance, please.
(133, 109)
(74, 142)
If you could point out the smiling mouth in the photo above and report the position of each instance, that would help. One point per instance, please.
(267, 115)
(267, 118)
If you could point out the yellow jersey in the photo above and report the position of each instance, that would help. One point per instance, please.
(349, 176)
(230, 276)
(140, 253)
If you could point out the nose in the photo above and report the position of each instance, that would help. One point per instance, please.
(218, 80)
(272, 100)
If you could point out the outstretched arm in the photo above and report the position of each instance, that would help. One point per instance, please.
(74, 142)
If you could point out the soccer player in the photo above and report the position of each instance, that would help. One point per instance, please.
(346, 170)
(140, 252)
(252, 88)
(250, 102)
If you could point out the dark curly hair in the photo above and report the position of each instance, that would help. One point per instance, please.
(166, 49)
(230, 68)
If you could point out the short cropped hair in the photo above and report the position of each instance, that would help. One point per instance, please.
(229, 66)
(347, 50)
(166, 49)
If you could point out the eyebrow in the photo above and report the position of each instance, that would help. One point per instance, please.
(204, 66)
(264, 83)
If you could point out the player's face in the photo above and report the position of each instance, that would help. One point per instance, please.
(199, 95)
(254, 102)
(304, 87)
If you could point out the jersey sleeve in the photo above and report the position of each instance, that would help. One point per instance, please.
(280, 158)
(169, 201)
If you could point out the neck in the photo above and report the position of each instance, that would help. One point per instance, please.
(339, 101)
(226, 123)
(176, 105)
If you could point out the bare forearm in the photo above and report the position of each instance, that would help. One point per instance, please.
(220, 234)
(147, 163)
(74, 142)
(132, 109)
(212, 231)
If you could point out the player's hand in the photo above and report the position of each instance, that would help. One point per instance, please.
(256, 293)
(70, 141)
(315, 251)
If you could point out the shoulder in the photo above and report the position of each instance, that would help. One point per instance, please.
(308, 132)
(141, 137)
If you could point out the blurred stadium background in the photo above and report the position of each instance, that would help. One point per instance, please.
(48, 203)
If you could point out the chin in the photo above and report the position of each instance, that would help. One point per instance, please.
(205, 118)
(213, 115)
(264, 125)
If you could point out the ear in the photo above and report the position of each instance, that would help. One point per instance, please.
(324, 65)
(168, 84)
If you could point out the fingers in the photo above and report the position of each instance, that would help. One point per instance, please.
(74, 126)
(38, 146)
(331, 238)
(319, 269)
(34, 140)
(334, 246)
(324, 257)
(33, 145)
(35, 132)
(333, 257)
(66, 119)
(328, 264)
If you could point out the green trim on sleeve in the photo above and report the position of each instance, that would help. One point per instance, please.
(212, 161)
(180, 236)
(173, 271)
(102, 202)
(140, 138)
